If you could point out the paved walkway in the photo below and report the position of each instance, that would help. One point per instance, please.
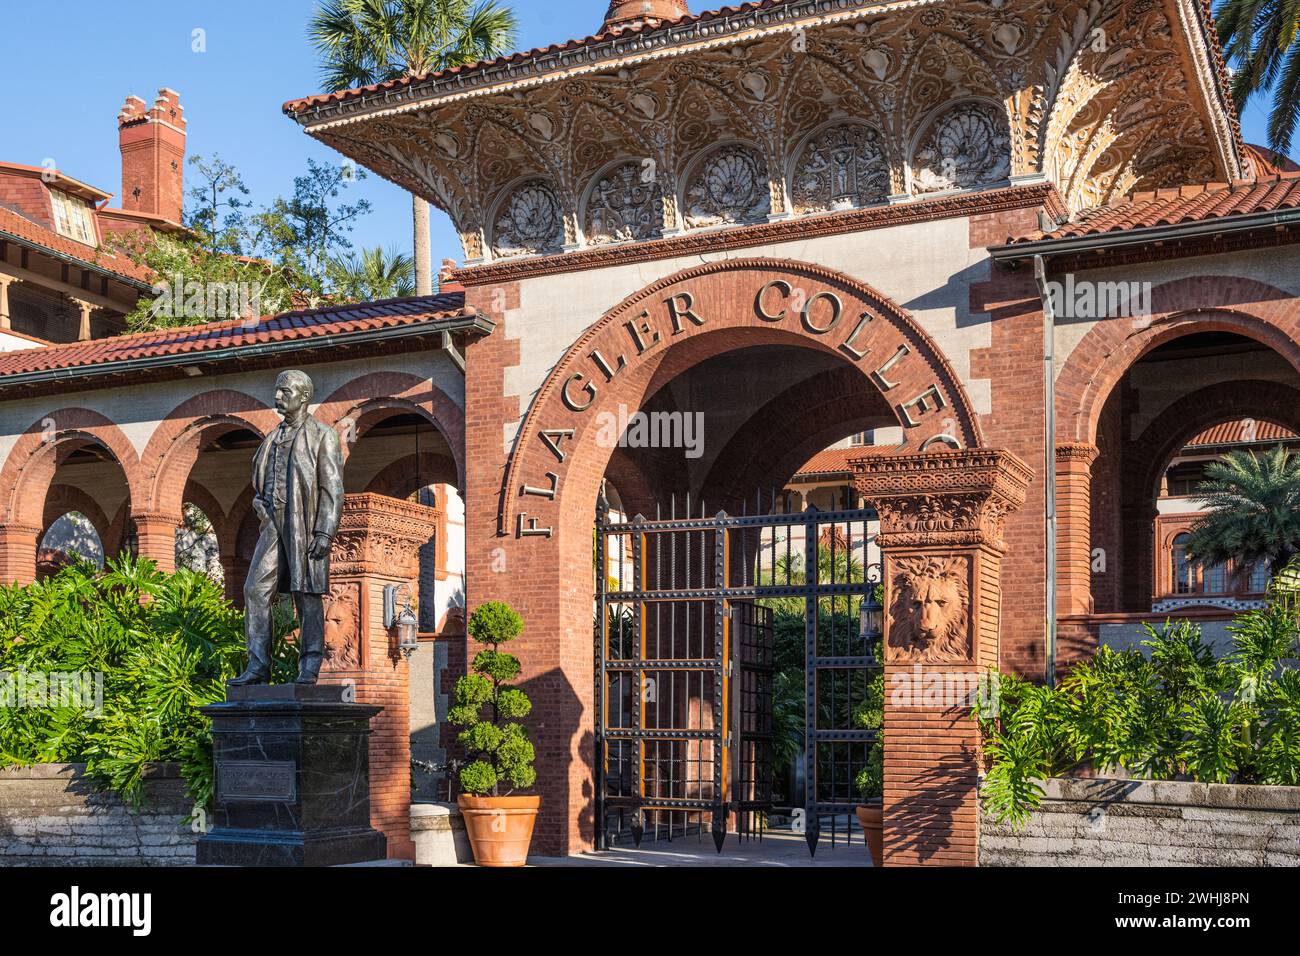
(778, 849)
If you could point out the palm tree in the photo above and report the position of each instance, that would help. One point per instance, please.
(1253, 510)
(1260, 42)
(362, 42)
(374, 274)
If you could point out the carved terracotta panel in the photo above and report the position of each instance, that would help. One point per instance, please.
(930, 610)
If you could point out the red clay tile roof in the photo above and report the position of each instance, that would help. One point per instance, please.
(199, 340)
(321, 99)
(1238, 432)
(24, 230)
(1168, 207)
(835, 461)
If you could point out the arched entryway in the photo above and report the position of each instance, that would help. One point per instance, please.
(1185, 401)
(777, 360)
(71, 461)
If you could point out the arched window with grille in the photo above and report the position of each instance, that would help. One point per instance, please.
(1184, 569)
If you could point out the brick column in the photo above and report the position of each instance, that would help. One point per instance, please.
(1074, 528)
(156, 538)
(941, 540)
(18, 554)
(378, 544)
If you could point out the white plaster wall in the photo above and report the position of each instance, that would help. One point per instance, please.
(927, 268)
(451, 592)
(13, 343)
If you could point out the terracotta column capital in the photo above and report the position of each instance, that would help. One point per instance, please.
(1076, 451)
(943, 498)
(381, 535)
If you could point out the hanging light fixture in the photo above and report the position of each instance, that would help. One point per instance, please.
(405, 620)
(871, 617)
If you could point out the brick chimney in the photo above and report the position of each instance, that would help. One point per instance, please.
(638, 13)
(152, 140)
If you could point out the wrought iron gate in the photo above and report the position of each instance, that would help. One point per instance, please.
(685, 666)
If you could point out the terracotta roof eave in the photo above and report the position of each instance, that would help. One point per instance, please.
(597, 52)
(478, 324)
(1115, 239)
(86, 264)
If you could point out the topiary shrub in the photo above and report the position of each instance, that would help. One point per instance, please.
(497, 749)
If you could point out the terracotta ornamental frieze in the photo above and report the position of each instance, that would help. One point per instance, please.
(804, 109)
(617, 358)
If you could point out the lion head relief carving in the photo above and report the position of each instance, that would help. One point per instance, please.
(929, 614)
(342, 626)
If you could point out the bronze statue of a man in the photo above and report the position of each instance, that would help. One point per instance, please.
(298, 496)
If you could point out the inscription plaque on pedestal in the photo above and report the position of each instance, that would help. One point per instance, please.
(273, 780)
(292, 774)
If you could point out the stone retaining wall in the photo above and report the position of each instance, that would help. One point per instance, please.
(1150, 823)
(51, 816)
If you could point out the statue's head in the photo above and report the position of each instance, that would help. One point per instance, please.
(293, 392)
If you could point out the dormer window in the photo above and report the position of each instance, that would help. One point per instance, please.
(73, 217)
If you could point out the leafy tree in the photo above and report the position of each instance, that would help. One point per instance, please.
(196, 284)
(1252, 510)
(362, 42)
(373, 274)
(1260, 42)
(165, 645)
(304, 232)
(216, 209)
(497, 747)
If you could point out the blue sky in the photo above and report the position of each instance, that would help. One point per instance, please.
(257, 56)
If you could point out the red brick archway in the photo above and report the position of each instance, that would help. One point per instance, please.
(1256, 310)
(29, 471)
(369, 399)
(530, 522)
(654, 336)
(175, 445)
(31, 464)
(1147, 456)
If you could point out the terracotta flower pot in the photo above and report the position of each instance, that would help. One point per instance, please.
(499, 828)
(872, 818)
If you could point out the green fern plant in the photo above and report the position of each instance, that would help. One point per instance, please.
(1174, 712)
(164, 645)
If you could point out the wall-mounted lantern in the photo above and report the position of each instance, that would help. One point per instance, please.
(405, 620)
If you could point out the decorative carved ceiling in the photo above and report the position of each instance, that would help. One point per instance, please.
(803, 112)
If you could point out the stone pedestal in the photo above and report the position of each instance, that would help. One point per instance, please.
(292, 772)
(941, 537)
